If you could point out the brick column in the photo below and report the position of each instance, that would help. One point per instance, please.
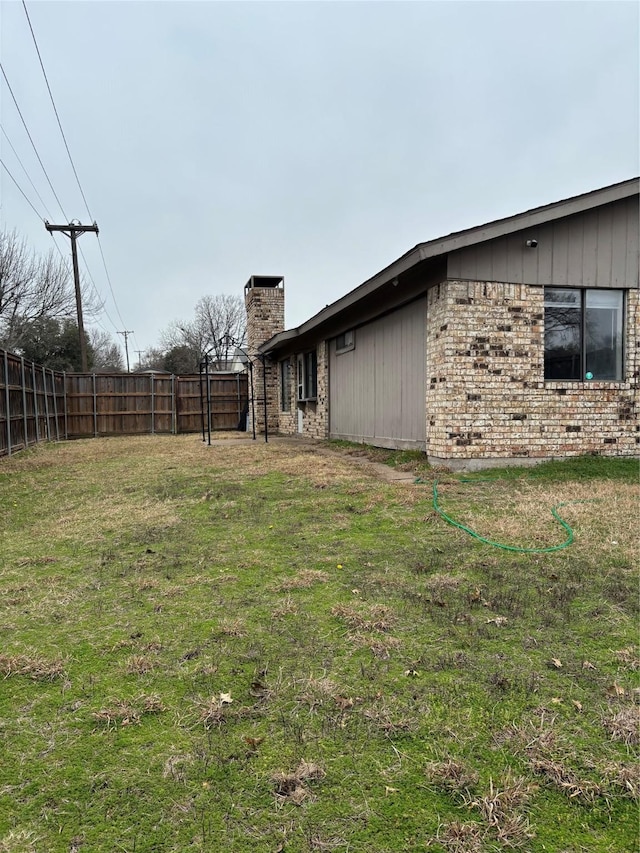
(264, 302)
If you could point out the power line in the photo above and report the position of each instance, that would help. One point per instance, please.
(26, 198)
(31, 140)
(42, 202)
(60, 252)
(102, 308)
(113, 296)
(46, 209)
(75, 172)
(53, 103)
(125, 335)
(97, 292)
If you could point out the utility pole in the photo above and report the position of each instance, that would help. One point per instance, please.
(125, 335)
(139, 351)
(73, 230)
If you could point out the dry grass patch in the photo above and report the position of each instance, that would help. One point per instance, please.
(498, 809)
(625, 777)
(139, 665)
(457, 837)
(33, 666)
(316, 691)
(231, 628)
(303, 580)
(565, 780)
(104, 516)
(441, 583)
(127, 713)
(624, 725)
(380, 647)
(519, 513)
(20, 841)
(291, 787)
(451, 775)
(628, 657)
(286, 607)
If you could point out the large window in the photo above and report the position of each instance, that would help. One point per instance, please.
(285, 385)
(582, 334)
(307, 376)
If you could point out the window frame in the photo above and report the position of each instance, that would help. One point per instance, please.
(346, 342)
(307, 376)
(584, 352)
(285, 385)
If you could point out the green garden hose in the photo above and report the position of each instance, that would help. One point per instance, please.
(475, 535)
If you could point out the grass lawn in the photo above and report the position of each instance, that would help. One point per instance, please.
(268, 648)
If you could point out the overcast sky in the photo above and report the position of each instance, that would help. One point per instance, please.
(314, 140)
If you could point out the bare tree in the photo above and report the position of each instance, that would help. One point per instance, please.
(218, 320)
(107, 355)
(33, 287)
(151, 359)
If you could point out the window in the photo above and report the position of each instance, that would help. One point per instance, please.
(307, 376)
(582, 334)
(345, 342)
(285, 385)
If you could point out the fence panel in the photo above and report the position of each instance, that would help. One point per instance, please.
(228, 396)
(31, 403)
(37, 404)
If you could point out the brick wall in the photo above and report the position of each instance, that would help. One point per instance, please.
(315, 413)
(486, 395)
(265, 318)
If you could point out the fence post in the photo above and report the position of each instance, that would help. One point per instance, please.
(35, 400)
(174, 414)
(7, 398)
(46, 404)
(95, 408)
(153, 408)
(55, 404)
(64, 397)
(24, 403)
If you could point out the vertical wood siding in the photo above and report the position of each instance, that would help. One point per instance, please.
(598, 248)
(377, 390)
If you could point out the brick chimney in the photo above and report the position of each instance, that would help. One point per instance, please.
(264, 303)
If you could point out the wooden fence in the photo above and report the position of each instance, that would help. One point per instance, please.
(32, 407)
(37, 404)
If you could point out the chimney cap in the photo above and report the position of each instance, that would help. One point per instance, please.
(265, 281)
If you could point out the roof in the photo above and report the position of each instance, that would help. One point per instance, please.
(442, 246)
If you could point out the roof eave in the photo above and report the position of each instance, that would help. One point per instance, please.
(459, 240)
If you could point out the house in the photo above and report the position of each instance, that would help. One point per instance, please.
(513, 341)
(236, 361)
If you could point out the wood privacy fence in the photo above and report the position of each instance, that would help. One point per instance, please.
(37, 404)
(32, 404)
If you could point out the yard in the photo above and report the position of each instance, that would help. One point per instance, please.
(270, 648)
